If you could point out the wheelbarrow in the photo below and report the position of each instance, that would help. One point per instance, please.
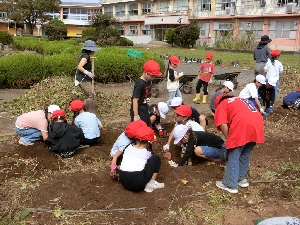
(231, 76)
(186, 83)
(155, 86)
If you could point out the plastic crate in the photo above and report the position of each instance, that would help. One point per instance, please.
(134, 53)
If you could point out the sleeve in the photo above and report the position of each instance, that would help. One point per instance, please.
(43, 125)
(188, 152)
(212, 68)
(171, 75)
(268, 52)
(98, 121)
(76, 122)
(266, 67)
(280, 68)
(137, 90)
(254, 56)
(253, 91)
(221, 115)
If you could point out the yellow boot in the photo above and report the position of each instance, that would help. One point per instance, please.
(204, 98)
(197, 98)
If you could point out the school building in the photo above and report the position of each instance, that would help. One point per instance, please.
(147, 20)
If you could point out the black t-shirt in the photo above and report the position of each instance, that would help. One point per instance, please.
(152, 111)
(81, 77)
(195, 115)
(203, 139)
(142, 91)
(263, 91)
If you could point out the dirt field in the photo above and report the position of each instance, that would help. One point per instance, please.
(33, 177)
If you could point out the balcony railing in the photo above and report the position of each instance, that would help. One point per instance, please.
(115, 1)
(129, 17)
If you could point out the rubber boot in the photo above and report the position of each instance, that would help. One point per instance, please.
(204, 98)
(197, 98)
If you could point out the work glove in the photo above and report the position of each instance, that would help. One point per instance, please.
(113, 171)
(180, 74)
(90, 74)
(166, 147)
(172, 163)
(136, 118)
(160, 133)
(262, 110)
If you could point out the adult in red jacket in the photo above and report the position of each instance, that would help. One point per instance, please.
(242, 125)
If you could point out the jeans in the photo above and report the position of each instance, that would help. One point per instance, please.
(172, 95)
(30, 135)
(237, 165)
(213, 152)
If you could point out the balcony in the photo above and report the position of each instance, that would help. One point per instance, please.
(108, 2)
(156, 19)
(123, 17)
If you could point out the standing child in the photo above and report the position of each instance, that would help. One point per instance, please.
(139, 167)
(225, 89)
(173, 79)
(207, 70)
(274, 68)
(88, 122)
(142, 92)
(63, 139)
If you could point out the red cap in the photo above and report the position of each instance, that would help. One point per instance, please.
(217, 100)
(58, 113)
(184, 110)
(145, 134)
(132, 127)
(174, 59)
(76, 105)
(298, 90)
(152, 68)
(209, 55)
(275, 53)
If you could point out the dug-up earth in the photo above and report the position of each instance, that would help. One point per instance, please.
(37, 187)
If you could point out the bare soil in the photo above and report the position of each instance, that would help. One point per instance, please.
(33, 177)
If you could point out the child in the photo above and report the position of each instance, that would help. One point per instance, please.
(201, 119)
(292, 100)
(250, 92)
(207, 70)
(142, 92)
(88, 122)
(139, 167)
(173, 79)
(225, 89)
(122, 142)
(63, 139)
(274, 68)
(156, 111)
(33, 125)
(266, 92)
(205, 145)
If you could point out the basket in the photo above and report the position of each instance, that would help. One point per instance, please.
(134, 53)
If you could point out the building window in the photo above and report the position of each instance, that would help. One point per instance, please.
(283, 29)
(3, 14)
(132, 30)
(202, 5)
(133, 9)
(223, 4)
(121, 29)
(76, 14)
(163, 7)
(146, 30)
(181, 5)
(82, 26)
(204, 29)
(255, 27)
(146, 8)
(282, 3)
(120, 11)
(109, 10)
(223, 29)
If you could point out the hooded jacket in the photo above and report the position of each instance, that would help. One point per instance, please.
(63, 138)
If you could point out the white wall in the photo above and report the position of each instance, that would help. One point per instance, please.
(145, 39)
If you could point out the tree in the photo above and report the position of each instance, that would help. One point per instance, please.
(29, 11)
(106, 32)
(170, 36)
(56, 30)
(186, 35)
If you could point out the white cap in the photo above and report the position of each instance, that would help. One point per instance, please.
(176, 101)
(272, 81)
(229, 84)
(163, 109)
(260, 78)
(53, 108)
(179, 132)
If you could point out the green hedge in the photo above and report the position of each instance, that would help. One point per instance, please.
(6, 38)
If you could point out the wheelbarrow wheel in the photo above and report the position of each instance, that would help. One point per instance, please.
(187, 88)
(155, 92)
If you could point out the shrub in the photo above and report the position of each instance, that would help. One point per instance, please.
(61, 64)
(6, 38)
(129, 42)
(122, 41)
(56, 30)
(88, 32)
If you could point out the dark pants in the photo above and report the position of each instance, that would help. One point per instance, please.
(136, 181)
(199, 85)
(85, 141)
(143, 113)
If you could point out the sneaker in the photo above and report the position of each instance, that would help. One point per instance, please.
(22, 141)
(243, 183)
(151, 187)
(219, 184)
(265, 114)
(270, 109)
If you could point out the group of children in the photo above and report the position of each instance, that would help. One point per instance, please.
(60, 137)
